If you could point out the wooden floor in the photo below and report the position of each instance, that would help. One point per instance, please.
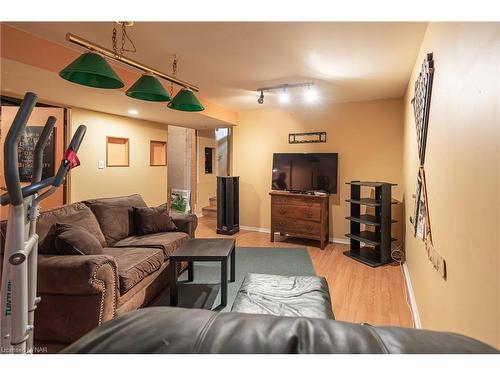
(359, 293)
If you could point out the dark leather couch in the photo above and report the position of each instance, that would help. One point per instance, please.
(80, 292)
(177, 330)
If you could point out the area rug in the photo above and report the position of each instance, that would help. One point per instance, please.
(204, 291)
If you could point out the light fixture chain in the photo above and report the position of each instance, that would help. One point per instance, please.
(124, 38)
(113, 40)
(174, 73)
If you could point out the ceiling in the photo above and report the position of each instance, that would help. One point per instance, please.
(347, 61)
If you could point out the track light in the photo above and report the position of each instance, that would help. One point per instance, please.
(284, 97)
(261, 97)
(311, 95)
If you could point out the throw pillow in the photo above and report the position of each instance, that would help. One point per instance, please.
(150, 220)
(116, 222)
(75, 240)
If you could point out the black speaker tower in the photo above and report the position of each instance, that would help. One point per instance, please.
(228, 210)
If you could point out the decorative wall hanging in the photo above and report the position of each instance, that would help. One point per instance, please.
(436, 259)
(421, 104)
(421, 216)
(314, 137)
(26, 150)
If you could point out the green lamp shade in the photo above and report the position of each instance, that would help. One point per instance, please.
(186, 101)
(91, 69)
(148, 88)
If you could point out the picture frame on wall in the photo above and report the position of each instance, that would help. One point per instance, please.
(26, 152)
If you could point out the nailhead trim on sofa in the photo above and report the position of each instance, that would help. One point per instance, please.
(102, 284)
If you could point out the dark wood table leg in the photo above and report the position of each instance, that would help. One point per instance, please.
(190, 271)
(233, 265)
(173, 284)
(223, 284)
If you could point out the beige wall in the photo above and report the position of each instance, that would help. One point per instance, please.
(462, 172)
(87, 181)
(368, 136)
(207, 183)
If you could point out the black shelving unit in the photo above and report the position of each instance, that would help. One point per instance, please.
(376, 249)
(228, 206)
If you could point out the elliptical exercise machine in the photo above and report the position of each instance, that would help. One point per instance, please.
(19, 266)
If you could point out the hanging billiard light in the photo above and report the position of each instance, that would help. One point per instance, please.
(91, 69)
(185, 100)
(148, 88)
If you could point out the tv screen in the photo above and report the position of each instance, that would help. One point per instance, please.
(305, 172)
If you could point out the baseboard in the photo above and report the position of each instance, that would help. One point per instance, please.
(343, 241)
(267, 230)
(411, 295)
(255, 229)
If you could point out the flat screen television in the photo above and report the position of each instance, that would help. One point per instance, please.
(305, 172)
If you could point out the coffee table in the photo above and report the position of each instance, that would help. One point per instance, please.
(203, 250)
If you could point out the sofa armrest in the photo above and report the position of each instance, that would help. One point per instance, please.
(79, 292)
(186, 223)
(76, 274)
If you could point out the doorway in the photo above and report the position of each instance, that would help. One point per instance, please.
(213, 160)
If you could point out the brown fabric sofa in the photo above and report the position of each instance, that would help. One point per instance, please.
(80, 292)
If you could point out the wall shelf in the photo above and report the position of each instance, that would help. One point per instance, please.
(117, 152)
(157, 153)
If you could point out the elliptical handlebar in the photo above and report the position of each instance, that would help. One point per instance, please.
(11, 166)
(70, 158)
(18, 291)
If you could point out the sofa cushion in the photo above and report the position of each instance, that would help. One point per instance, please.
(129, 201)
(116, 222)
(167, 242)
(76, 213)
(76, 240)
(134, 200)
(149, 220)
(134, 264)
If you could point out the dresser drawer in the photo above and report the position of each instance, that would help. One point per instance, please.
(288, 225)
(295, 201)
(296, 212)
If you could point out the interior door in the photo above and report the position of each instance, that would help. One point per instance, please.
(38, 118)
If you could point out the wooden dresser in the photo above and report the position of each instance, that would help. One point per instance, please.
(300, 215)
